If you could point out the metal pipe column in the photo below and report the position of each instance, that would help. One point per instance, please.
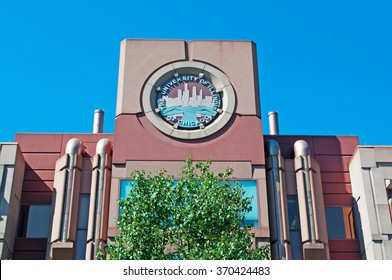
(72, 149)
(276, 200)
(301, 149)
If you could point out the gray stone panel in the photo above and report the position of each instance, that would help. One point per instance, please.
(388, 249)
(370, 169)
(12, 167)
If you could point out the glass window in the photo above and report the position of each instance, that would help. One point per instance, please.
(389, 192)
(292, 204)
(84, 204)
(35, 221)
(81, 232)
(81, 238)
(250, 188)
(125, 188)
(294, 226)
(340, 223)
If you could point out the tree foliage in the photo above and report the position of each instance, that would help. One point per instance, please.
(197, 217)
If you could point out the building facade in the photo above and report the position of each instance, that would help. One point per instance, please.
(178, 99)
(371, 173)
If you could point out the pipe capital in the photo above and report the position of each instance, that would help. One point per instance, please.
(301, 148)
(104, 146)
(74, 146)
(272, 148)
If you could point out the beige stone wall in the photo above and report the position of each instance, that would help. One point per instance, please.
(370, 171)
(141, 58)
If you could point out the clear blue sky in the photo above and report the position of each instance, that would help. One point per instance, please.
(325, 66)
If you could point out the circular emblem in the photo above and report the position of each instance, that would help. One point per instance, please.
(188, 101)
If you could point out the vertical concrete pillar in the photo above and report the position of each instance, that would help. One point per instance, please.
(12, 168)
(65, 202)
(99, 198)
(311, 204)
(277, 202)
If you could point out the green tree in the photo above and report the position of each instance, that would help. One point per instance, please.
(197, 217)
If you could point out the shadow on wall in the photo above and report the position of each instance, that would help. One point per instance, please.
(358, 229)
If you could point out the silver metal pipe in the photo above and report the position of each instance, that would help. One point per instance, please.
(274, 186)
(103, 151)
(301, 148)
(99, 202)
(72, 149)
(273, 123)
(67, 198)
(98, 121)
(309, 201)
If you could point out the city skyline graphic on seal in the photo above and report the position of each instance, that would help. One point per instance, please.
(188, 102)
